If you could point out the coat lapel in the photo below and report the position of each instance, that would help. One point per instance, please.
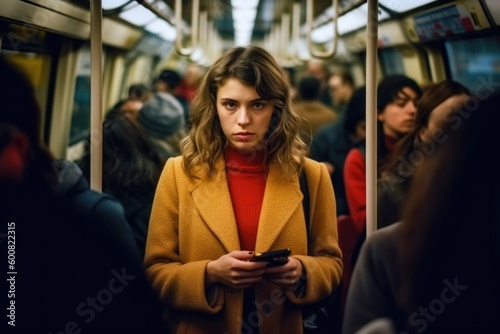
(281, 199)
(213, 202)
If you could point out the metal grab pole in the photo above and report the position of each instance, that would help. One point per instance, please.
(371, 119)
(96, 95)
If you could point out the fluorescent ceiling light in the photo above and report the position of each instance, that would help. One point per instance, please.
(110, 4)
(244, 3)
(241, 41)
(403, 6)
(243, 25)
(162, 29)
(351, 21)
(244, 14)
(138, 15)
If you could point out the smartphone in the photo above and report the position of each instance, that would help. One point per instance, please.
(275, 257)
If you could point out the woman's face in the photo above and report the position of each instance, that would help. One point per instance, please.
(398, 117)
(439, 114)
(244, 115)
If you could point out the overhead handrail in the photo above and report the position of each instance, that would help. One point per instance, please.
(96, 133)
(309, 22)
(195, 15)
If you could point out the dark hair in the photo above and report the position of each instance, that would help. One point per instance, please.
(309, 87)
(355, 110)
(138, 91)
(130, 166)
(451, 227)
(345, 77)
(171, 77)
(433, 96)
(19, 105)
(21, 112)
(390, 86)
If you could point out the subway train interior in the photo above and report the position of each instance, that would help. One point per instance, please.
(51, 40)
(82, 56)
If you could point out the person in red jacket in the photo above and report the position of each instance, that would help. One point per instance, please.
(396, 109)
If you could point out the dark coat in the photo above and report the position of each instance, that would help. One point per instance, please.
(77, 265)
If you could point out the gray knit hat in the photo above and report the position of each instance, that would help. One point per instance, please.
(161, 116)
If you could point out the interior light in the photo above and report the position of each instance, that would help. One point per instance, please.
(138, 15)
(403, 6)
(244, 3)
(244, 14)
(110, 4)
(351, 21)
(163, 29)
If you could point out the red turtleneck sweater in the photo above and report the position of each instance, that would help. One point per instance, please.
(247, 182)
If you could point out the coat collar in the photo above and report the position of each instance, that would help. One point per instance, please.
(211, 196)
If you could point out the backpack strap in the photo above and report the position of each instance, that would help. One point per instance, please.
(305, 201)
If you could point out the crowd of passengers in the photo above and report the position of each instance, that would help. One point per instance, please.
(200, 171)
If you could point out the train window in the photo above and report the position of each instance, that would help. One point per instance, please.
(391, 61)
(475, 62)
(80, 120)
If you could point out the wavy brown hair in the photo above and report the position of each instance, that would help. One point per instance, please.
(255, 67)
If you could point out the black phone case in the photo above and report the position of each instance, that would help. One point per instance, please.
(275, 257)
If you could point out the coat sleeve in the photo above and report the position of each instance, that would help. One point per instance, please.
(323, 265)
(374, 281)
(181, 286)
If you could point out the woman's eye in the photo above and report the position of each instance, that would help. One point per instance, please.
(230, 105)
(258, 105)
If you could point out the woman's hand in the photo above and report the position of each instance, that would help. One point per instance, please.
(285, 276)
(234, 270)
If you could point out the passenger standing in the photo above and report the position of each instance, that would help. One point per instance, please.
(341, 86)
(318, 69)
(76, 266)
(433, 109)
(163, 118)
(130, 170)
(396, 107)
(139, 92)
(190, 82)
(314, 113)
(419, 273)
(233, 193)
(333, 142)
(450, 239)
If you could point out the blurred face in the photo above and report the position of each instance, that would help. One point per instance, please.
(316, 69)
(131, 108)
(340, 92)
(398, 117)
(439, 114)
(244, 115)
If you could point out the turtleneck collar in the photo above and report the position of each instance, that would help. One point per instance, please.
(248, 161)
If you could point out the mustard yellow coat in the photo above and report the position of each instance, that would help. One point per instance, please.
(192, 223)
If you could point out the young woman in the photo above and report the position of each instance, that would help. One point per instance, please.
(235, 192)
(411, 151)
